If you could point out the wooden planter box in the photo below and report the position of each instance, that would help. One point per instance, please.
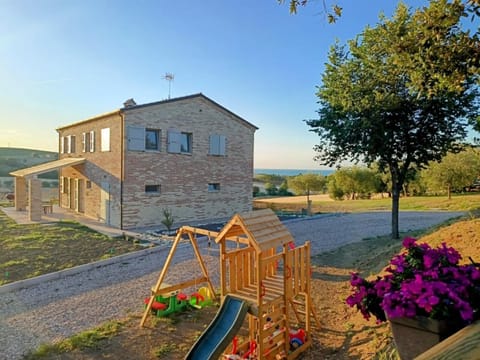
(415, 336)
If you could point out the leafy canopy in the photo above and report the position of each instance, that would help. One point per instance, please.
(401, 94)
(455, 172)
(303, 184)
(332, 15)
(384, 98)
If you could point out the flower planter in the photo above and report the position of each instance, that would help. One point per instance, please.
(415, 336)
(421, 281)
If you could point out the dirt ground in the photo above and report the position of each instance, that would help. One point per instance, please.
(343, 333)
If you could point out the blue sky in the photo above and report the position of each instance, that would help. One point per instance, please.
(62, 61)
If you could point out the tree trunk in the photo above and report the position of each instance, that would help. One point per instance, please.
(449, 192)
(309, 204)
(396, 188)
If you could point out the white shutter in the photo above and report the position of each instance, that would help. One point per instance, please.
(217, 145)
(221, 145)
(68, 144)
(174, 138)
(136, 138)
(105, 139)
(62, 145)
(214, 144)
(84, 142)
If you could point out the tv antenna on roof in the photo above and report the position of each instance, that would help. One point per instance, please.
(169, 77)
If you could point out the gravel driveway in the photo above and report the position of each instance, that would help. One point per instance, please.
(60, 308)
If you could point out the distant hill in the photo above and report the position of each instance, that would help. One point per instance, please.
(12, 159)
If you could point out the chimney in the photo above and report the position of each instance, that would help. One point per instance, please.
(129, 103)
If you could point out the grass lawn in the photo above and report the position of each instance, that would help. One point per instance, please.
(464, 202)
(32, 250)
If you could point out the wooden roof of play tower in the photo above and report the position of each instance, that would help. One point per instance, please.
(261, 229)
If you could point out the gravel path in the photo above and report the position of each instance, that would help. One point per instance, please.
(57, 309)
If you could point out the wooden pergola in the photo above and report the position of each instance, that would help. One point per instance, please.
(28, 188)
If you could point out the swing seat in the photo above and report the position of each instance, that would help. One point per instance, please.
(196, 299)
(181, 297)
(158, 306)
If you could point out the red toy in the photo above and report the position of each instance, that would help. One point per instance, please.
(297, 338)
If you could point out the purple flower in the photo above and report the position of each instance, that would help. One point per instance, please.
(408, 242)
(474, 273)
(399, 262)
(452, 255)
(416, 287)
(421, 281)
(430, 259)
(355, 279)
(427, 302)
(382, 287)
(466, 311)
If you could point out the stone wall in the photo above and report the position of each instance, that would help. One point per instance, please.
(184, 178)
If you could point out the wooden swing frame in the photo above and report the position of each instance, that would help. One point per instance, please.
(162, 288)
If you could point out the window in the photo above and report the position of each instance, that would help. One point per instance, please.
(105, 139)
(67, 144)
(217, 145)
(135, 138)
(185, 142)
(141, 139)
(88, 141)
(179, 142)
(213, 187)
(84, 142)
(64, 185)
(88, 184)
(92, 141)
(152, 139)
(152, 189)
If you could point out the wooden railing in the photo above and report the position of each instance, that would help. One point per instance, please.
(241, 265)
(297, 269)
(464, 344)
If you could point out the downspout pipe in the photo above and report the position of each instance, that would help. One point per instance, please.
(122, 164)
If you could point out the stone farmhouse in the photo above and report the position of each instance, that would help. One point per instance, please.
(189, 156)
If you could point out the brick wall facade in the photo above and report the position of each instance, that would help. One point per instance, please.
(101, 168)
(182, 178)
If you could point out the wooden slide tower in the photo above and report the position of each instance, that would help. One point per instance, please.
(264, 268)
(260, 265)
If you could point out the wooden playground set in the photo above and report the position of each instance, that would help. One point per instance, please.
(264, 279)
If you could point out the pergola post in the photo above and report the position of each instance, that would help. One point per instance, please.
(35, 200)
(20, 193)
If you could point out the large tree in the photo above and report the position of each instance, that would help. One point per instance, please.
(387, 98)
(334, 11)
(455, 172)
(305, 183)
(352, 183)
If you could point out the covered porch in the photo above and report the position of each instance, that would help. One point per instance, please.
(28, 188)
